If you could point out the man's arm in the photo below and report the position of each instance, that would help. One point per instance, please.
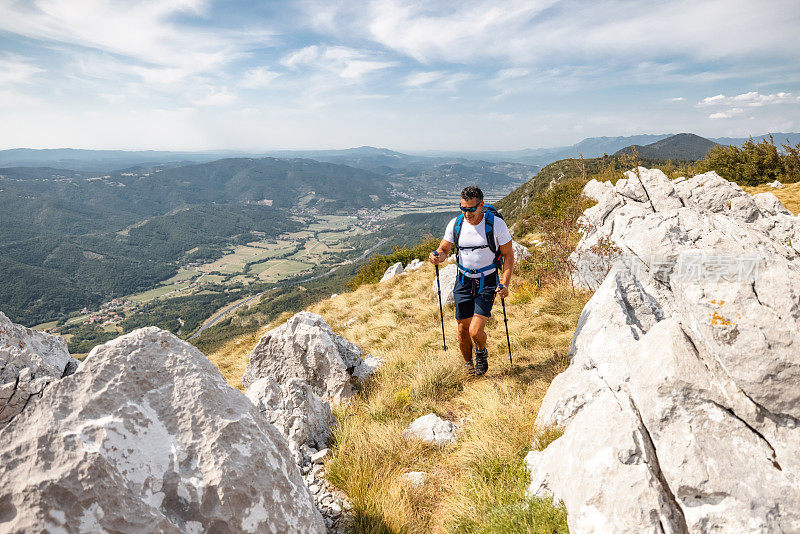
(508, 267)
(444, 250)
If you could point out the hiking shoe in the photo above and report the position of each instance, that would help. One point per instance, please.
(469, 368)
(481, 364)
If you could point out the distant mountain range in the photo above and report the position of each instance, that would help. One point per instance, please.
(380, 160)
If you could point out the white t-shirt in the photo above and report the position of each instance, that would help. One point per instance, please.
(474, 236)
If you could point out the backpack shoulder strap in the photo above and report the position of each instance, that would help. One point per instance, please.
(489, 216)
(457, 228)
(457, 231)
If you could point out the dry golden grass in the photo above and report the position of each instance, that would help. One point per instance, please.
(479, 482)
(789, 194)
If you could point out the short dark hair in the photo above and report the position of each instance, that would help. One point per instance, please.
(472, 191)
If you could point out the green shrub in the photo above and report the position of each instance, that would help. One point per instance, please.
(754, 163)
(373, 270)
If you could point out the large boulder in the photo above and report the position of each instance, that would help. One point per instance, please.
(146, 436)
(392, 271)
(305, 347)
(447, 281)
(29, 361)
(296, 411)
(681, 405)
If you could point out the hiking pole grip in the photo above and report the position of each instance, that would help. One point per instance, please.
(439, 294)
(508, 340)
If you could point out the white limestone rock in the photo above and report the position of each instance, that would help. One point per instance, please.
(367, 368)
(414, 479)
(520, 252)
(710, 191)
(29, 361)
(447, 280)
(296, 411)
(681, 406)
(392, 271)
(415, 264)
(595, 189)
(433, 430)
(776, 184)
(146, 436)
(305, 347)
(770, 204)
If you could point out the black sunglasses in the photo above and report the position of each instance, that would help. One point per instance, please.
(471, 210)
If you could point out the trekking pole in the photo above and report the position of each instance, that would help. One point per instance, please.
(508, 340)
(439, 293)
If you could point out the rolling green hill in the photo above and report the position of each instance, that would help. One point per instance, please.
(680, 147)
(72, 239)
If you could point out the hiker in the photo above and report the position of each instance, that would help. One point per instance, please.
(478, 282)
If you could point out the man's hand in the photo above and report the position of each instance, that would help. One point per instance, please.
(436, 258)
(502, 291)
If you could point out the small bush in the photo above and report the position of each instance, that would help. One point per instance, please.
(373, 270)
(754, 163)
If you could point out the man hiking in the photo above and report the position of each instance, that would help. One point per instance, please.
(484, 245)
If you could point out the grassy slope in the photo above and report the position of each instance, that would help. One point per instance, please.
(478, 484)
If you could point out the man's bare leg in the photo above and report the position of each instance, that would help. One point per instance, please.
(477, 331)
(464, 338)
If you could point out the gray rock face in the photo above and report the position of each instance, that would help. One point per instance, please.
(29, 361)
(520, 252)
(689, 204)
(415, 264)
(392, 271)
(305, 347)
(681, 406)
(295, 372)
(432, 429)
(296, 411)
(147, 436)
(447, 280)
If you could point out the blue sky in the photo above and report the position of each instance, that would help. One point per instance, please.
(408, 75)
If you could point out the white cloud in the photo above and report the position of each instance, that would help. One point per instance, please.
(214, 97)
(347, 63)
(435, 80)
(677, 99)
(526, 32)
(15, 69)
(142, 31)
(752, 99)
(258, 77)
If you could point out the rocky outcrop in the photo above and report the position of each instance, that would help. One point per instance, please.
(392, 271)
(520, 252)
(680, 406)
(305, 347)
(298, 413)
(29, 361)
(295, 372)
(707, 210)
(447, 281)
(146, 436)
(415, 264)
(432, 429)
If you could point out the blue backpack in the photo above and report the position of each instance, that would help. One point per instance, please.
(489, 213)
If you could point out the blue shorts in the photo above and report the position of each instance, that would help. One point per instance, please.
(467, 299)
